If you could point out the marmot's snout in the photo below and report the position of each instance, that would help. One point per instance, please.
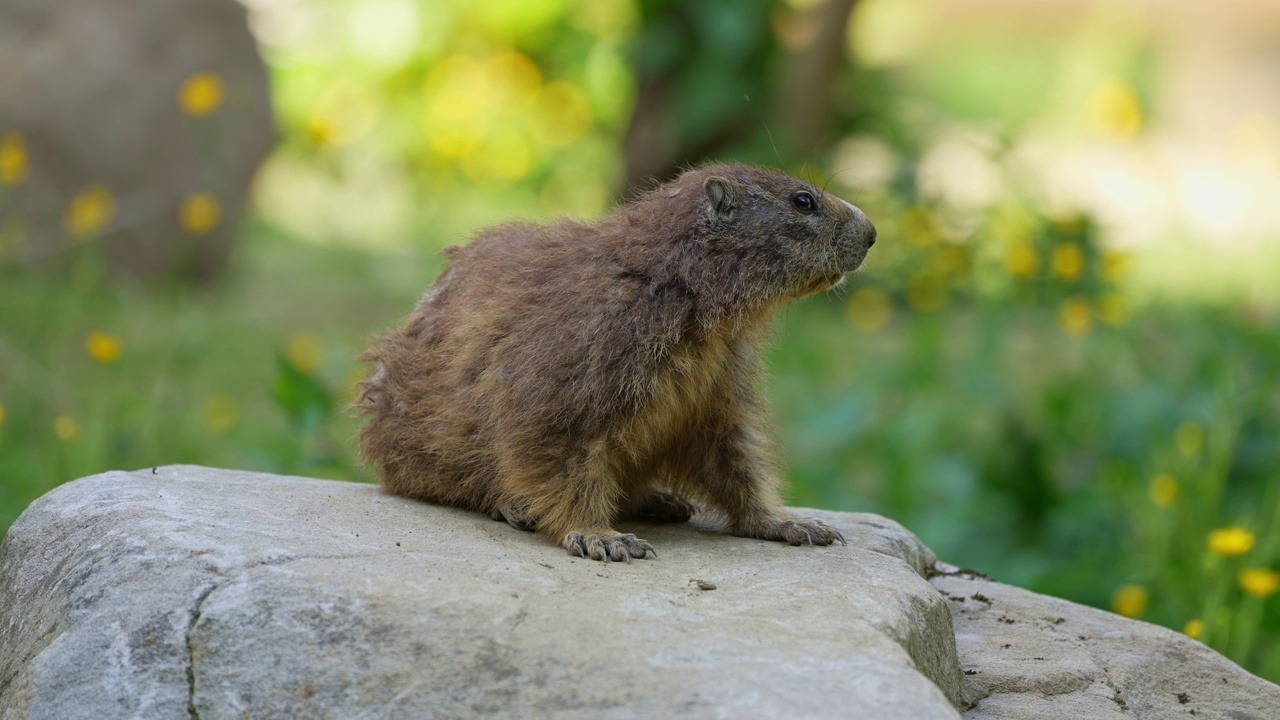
(857, 237)
(861, 225)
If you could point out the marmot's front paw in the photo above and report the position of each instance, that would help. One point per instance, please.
(795, 531)
(607, 545)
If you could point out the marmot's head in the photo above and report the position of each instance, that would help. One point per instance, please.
(802, 239)
(768, 237)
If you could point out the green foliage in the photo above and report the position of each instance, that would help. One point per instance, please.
(309, 408)
(1023, 450)
(394, 124)
(305, 402)
(715, 60)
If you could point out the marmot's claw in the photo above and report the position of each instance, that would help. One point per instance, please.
(791, 532)
(614, 547)
(796, 534)
(573, 544)
(647, 548)
(799, 532)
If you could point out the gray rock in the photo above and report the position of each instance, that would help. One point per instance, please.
(187, 591)
(191, 591)
(92, 86)
(1030, 656)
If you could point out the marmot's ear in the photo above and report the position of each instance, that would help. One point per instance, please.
(721, 195)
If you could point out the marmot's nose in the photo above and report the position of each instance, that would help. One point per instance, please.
(862, 223)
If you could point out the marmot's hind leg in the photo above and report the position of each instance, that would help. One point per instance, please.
(516, 517)
(664, 507)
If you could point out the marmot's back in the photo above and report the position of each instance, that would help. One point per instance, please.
(504, 343)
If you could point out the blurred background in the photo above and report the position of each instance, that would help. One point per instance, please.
(1060, 365)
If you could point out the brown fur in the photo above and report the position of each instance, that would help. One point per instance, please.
(564, 376)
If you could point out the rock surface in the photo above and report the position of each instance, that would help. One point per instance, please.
(191, 592)
(198, 592)
(92, 87)
(1031, 656)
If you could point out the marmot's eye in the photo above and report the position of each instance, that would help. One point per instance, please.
(804, 202)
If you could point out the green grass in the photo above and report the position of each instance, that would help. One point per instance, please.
(179, 348)
(1008, 445)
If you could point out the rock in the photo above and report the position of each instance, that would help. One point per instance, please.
(191, 591)
(187, 591)
(91, 95)
(1030, 656)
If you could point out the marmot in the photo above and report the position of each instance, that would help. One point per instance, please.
(564, 376)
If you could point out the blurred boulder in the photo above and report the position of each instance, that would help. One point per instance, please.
(129, 127)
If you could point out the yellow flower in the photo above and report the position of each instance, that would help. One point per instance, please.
(1230, 541)
(950, 261)
(1163, 490)
(1067, 261)
(1259, 582)
(869, 309)
(504, 157)
(199, 213)
(1188, 438)
(201, 94)
(1022, 261)
(104, 349)
(1, 413)
(305, 352)
(566, 114)
(1075, 316)
(219, 413)
(1193, 629)
(323, 131)
(90, 211)
(926, 293)
(1112, 309)
(1069, 225)
(1115, 265)
(1114, 108)
(65, 428)
(1130, 601)
(918, 228)
(13, 159)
